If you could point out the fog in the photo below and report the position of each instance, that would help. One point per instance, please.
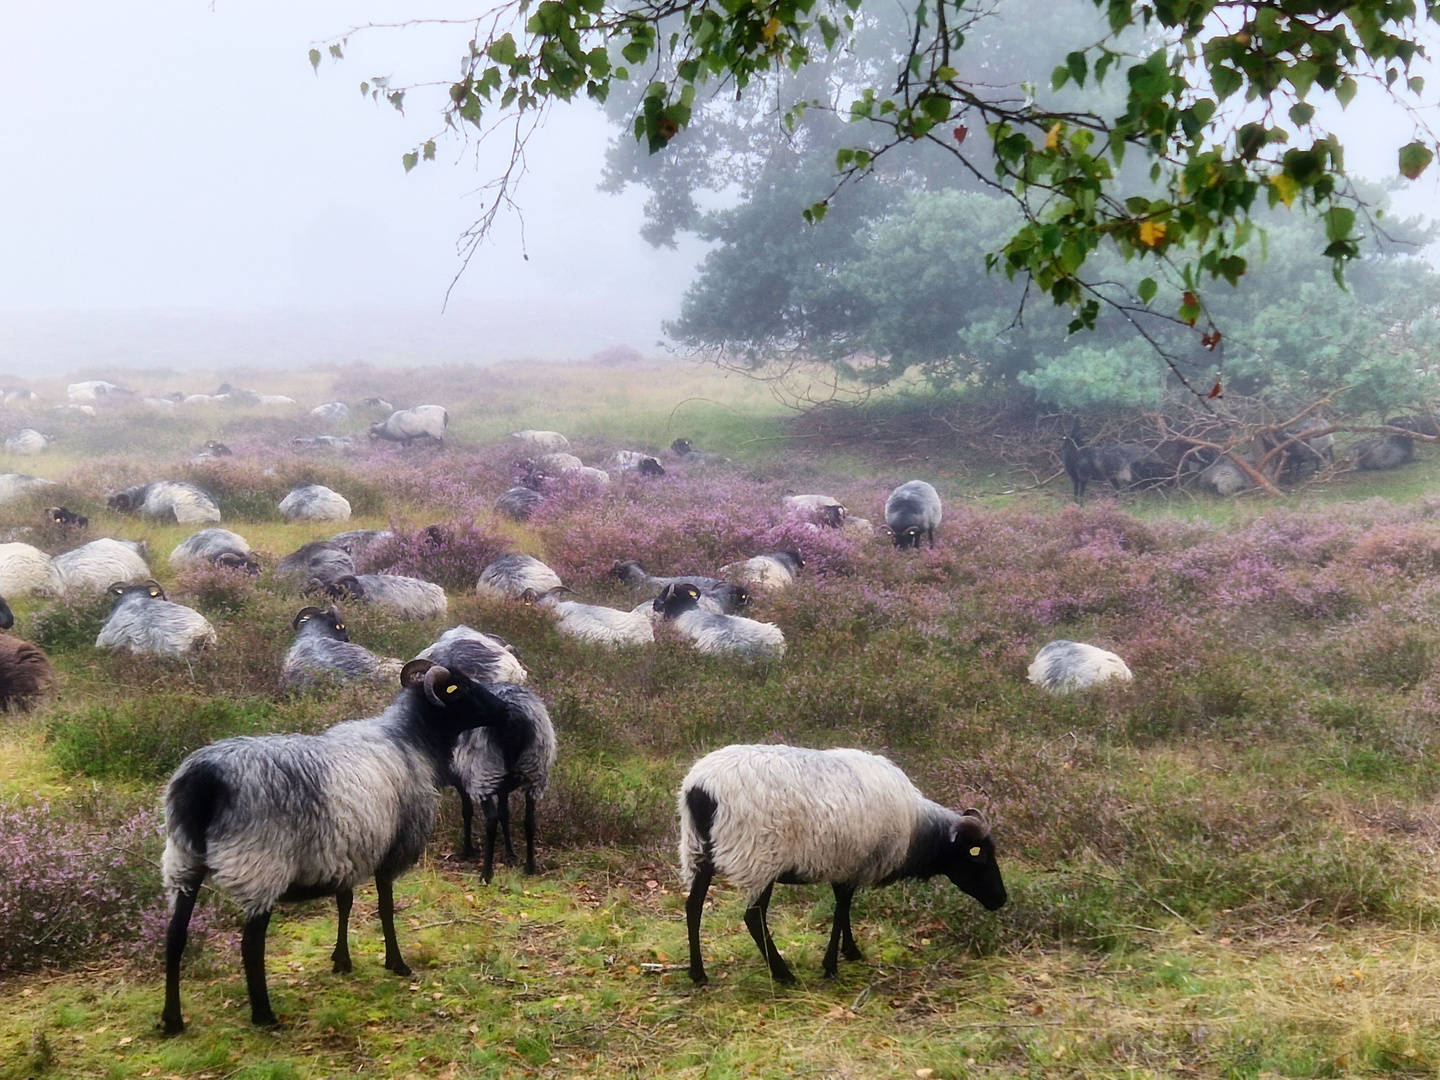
(182, 190)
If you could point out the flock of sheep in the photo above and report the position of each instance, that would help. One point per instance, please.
(288, 817)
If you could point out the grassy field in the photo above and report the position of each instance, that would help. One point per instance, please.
(1226, 870)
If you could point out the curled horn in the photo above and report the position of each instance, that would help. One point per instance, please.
(974, 812)
(414, 672)
(303, 614)
(433, 675)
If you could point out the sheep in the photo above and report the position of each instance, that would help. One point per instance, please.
(912, 511)
(767, 573)
(212, 449)
(17, 485)
(25, 671)
(592, 623)
(323, 649)
(94, 566)
(1419, 423)
(158, 403)
(25, 570)
(722, 597)
(92, 390)
(314, 502)
(544, 441)
(16, 395)
(407, 425)
(549, 464)
(82, 410)
(1390, 452)
(718, 635)
(1224, 477)
(402, 597)
(519, 502)
(379, 404)
(291, 817)
(214, 547)
(274, 399)
(484, 657)
(143, 620)
(332, 411)
(762, 814)
(510, 575)
(166, 500)
(323, 442)
(625, 461)
(1063, 666)
(319, 559)
(824, 510)
(685, 450)
(358, 541)
(66, 519)
(27, 442)
(1118, 464)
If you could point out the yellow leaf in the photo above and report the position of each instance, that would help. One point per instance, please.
(1152, 232)
(771, 29)
(1286, 187)
(1052, 137)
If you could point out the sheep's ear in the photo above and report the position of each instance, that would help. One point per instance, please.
(441, 687)
(117, 589)
(691, 591)
(413, 673)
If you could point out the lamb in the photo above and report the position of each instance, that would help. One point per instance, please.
(722, 597)
(592, 623)
(407, 425)
(912, 511)
(314, 502)
(66, 519)
(28, 442)
(358, 541)
(543, 441)
(332, 411)
(17, 485)
(625, 461)
(25, 671)
(93, 567)
(323, 649)
(1063, 666)
(767, 572)
(25, 570)
(166, 500)
(718, 635)
(762, 814)
(519, 502)
(142, 620)
(402, 597)
(319, 559)
(214, 547)
(509, 576)
(292, 817)
(1389, 452)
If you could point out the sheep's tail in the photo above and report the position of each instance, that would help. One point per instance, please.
(196, 796)
(697, 818)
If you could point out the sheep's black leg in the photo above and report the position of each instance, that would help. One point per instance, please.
(252, 953)
(340, 958)
(467, 817)
(529, 832)
(760, 931)
(840, 931)
(175, 938)
(931, 531)
(492, 819)
(694, 907)
(505, 827)
(385, 889)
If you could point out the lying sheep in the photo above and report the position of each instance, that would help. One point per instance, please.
(592, 623)
(509, 576)
(912, 511)
(66, 519)
(1389, 452)
(314, 502)
(214, 547)
(1224, 477)
(211, 449)
(542, 441)
(627, 461)
(334, 412)
(685, 450)
(402, 597)
(407, 425)
(323, 442)
(93, 567)
(777, 570)
(519, 502)
(549, 464)
(17, 485)
(718, 635)
(27, 442)
(144, 621)
(762, 814)
(824, 510)
(359, 541)
(92, 390)
(319, 559)
(323, 651)
(1063, 666)
(166, 500)
(380, 405)
(25, 570)
(290, 817)
(723, 597)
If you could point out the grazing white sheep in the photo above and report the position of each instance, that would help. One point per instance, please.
(510, 575)
(592, 623)
(1063, 666)
(407, 425)
(17, 485)
(766, 572)
(542, 440)
(144, 621)
(167, 500)
(758, 815)
(93, 567)
(27, 442)
(714, 634)
(314, 502)
(333, 411)
(25, 570)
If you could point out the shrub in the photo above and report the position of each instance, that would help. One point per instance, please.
(451, 555)
(71, 623)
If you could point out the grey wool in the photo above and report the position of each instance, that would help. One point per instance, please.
(143, 621)
(323, 652)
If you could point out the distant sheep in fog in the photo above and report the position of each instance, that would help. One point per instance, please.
(15, 485)
(1389, 452)
(17, 396)
(685, 450)
(510, 575)
(379, 404)
(543, 441)
(322, 442)
(634, 461)
(824, 510)
(166, 500)
(92, 390)
(314, 502)
(407, 425)
(403, 597)
(214, 547)
(27, 442)
(519, 502)
(556, 462)
(144, 621)
(95, 566)
(1224, 477)
(1063, 666)
(332, 411)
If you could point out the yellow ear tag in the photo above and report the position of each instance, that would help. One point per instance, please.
(975, 851)
(451, 689)
(338, 626)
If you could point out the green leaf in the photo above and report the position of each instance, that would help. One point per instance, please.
(1339, 220)
(816, 213)
(429, 150)
(1301, 113)
(1345, 92)
(336, 53)
(410, 160)
(1076, 64)
(315, 59)
(1146, 290)
(1415, 158)
(1059, 77)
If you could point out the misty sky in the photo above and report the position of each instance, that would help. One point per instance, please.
(180, 188)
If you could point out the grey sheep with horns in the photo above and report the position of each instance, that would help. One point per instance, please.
(143, 620)
(279, 818)
(761, 814)
(323, 651)
(912, 511)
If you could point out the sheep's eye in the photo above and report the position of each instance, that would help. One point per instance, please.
(975, 851)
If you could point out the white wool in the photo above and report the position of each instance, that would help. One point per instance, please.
(510, 575)
(25, 569)
(483, 658)
(1063, 666)
(27, 442)
(714, 634)
(332, 410)
(144, 625)
(555, 462)
(763, 572)
(810, 502)
(819, 815)
(601, 625)
(200, 548)
(542, 440)
(99, 564)
(315, 502)
(15, 485)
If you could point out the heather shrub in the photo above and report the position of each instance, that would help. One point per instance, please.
(72, 622)
(450, 554)
(217, 589)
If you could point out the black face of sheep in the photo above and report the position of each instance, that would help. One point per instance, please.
(123, 501)
(66, 519)
(675, 600)
(833, 516)
(650, 467)
(908, 538)
(969, 862)
(682, 447)
(216, 449)
(233, 560)
(328, 622)
(7, 617)
(342, 588)
(121, 589)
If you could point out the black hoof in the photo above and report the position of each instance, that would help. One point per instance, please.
(785, 977)
(342, 965)
(399, 967)
(831, 972)
(852, 953)
(699, 978)
(265, 1020)
(170, 1027)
